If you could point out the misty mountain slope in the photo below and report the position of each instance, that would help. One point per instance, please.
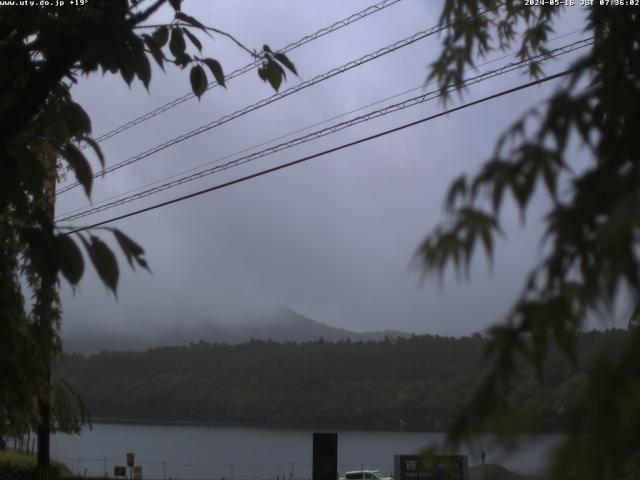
(280, 325)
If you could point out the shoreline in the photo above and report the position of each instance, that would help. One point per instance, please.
(258, 425)
(282, 426)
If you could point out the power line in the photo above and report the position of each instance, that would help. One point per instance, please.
(322, 153)
(247, 68)
(247, 149)
(332, 129)
(266, 101)
(280, 137)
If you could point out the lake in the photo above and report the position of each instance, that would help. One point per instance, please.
(242, 453)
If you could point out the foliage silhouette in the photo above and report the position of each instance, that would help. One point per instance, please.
(592, 228)
(43, 52)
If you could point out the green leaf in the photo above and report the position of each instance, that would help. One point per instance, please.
(104, 261)
(183, 60)
(193, 39)
(522, 188)
(161, 36)
(126, 69)
(497, 194)
(133, 251)
(190, 20)
(78, 162)
(198, 80)
(262, 73)
(141, 64)
(550, 177)
(457, 189)
(275, 73)
(69, 257)
(216, 70)
(176, 44)
(155, 50)
(487, 241)
(282, 58)
(77, 119)
(96, 148)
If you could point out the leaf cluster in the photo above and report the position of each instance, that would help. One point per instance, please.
(271, 69)
(592, 229)
(43, 135)
(174, 36)
(478, 27)
(42, 128)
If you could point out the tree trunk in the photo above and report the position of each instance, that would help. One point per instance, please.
(47, 323)
(43, 438)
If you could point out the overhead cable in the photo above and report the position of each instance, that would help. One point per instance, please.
(247, 68)
(261, 173)
(411, 102)
(266, 101)
(299, 130)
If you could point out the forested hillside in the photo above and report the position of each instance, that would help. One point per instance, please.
(415, 383)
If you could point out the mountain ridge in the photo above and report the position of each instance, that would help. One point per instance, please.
(282, 324)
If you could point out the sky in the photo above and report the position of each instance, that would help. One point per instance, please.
(334, 238)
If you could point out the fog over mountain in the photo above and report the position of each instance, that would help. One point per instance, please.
(280, 324)
(334, 238)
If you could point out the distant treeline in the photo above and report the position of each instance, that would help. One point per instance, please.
(416, 383)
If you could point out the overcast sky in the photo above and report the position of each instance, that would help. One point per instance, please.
(333, 238)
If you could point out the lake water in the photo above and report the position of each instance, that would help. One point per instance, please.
(239, 453)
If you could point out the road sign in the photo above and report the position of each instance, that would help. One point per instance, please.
(435, 467)
(119, 471)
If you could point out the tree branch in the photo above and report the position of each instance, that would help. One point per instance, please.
(236, 41)
(207, 29)
(135, 19)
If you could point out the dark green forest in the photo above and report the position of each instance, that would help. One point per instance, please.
(417, 383)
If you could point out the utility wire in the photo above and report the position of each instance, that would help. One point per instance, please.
(290, 134)
(244, 150)
(266, 101)
(322, 153)
(411, 102)
(247, 68)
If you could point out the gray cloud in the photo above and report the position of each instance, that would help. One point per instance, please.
(332, 239)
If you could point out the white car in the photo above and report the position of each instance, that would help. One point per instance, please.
(365, 475)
